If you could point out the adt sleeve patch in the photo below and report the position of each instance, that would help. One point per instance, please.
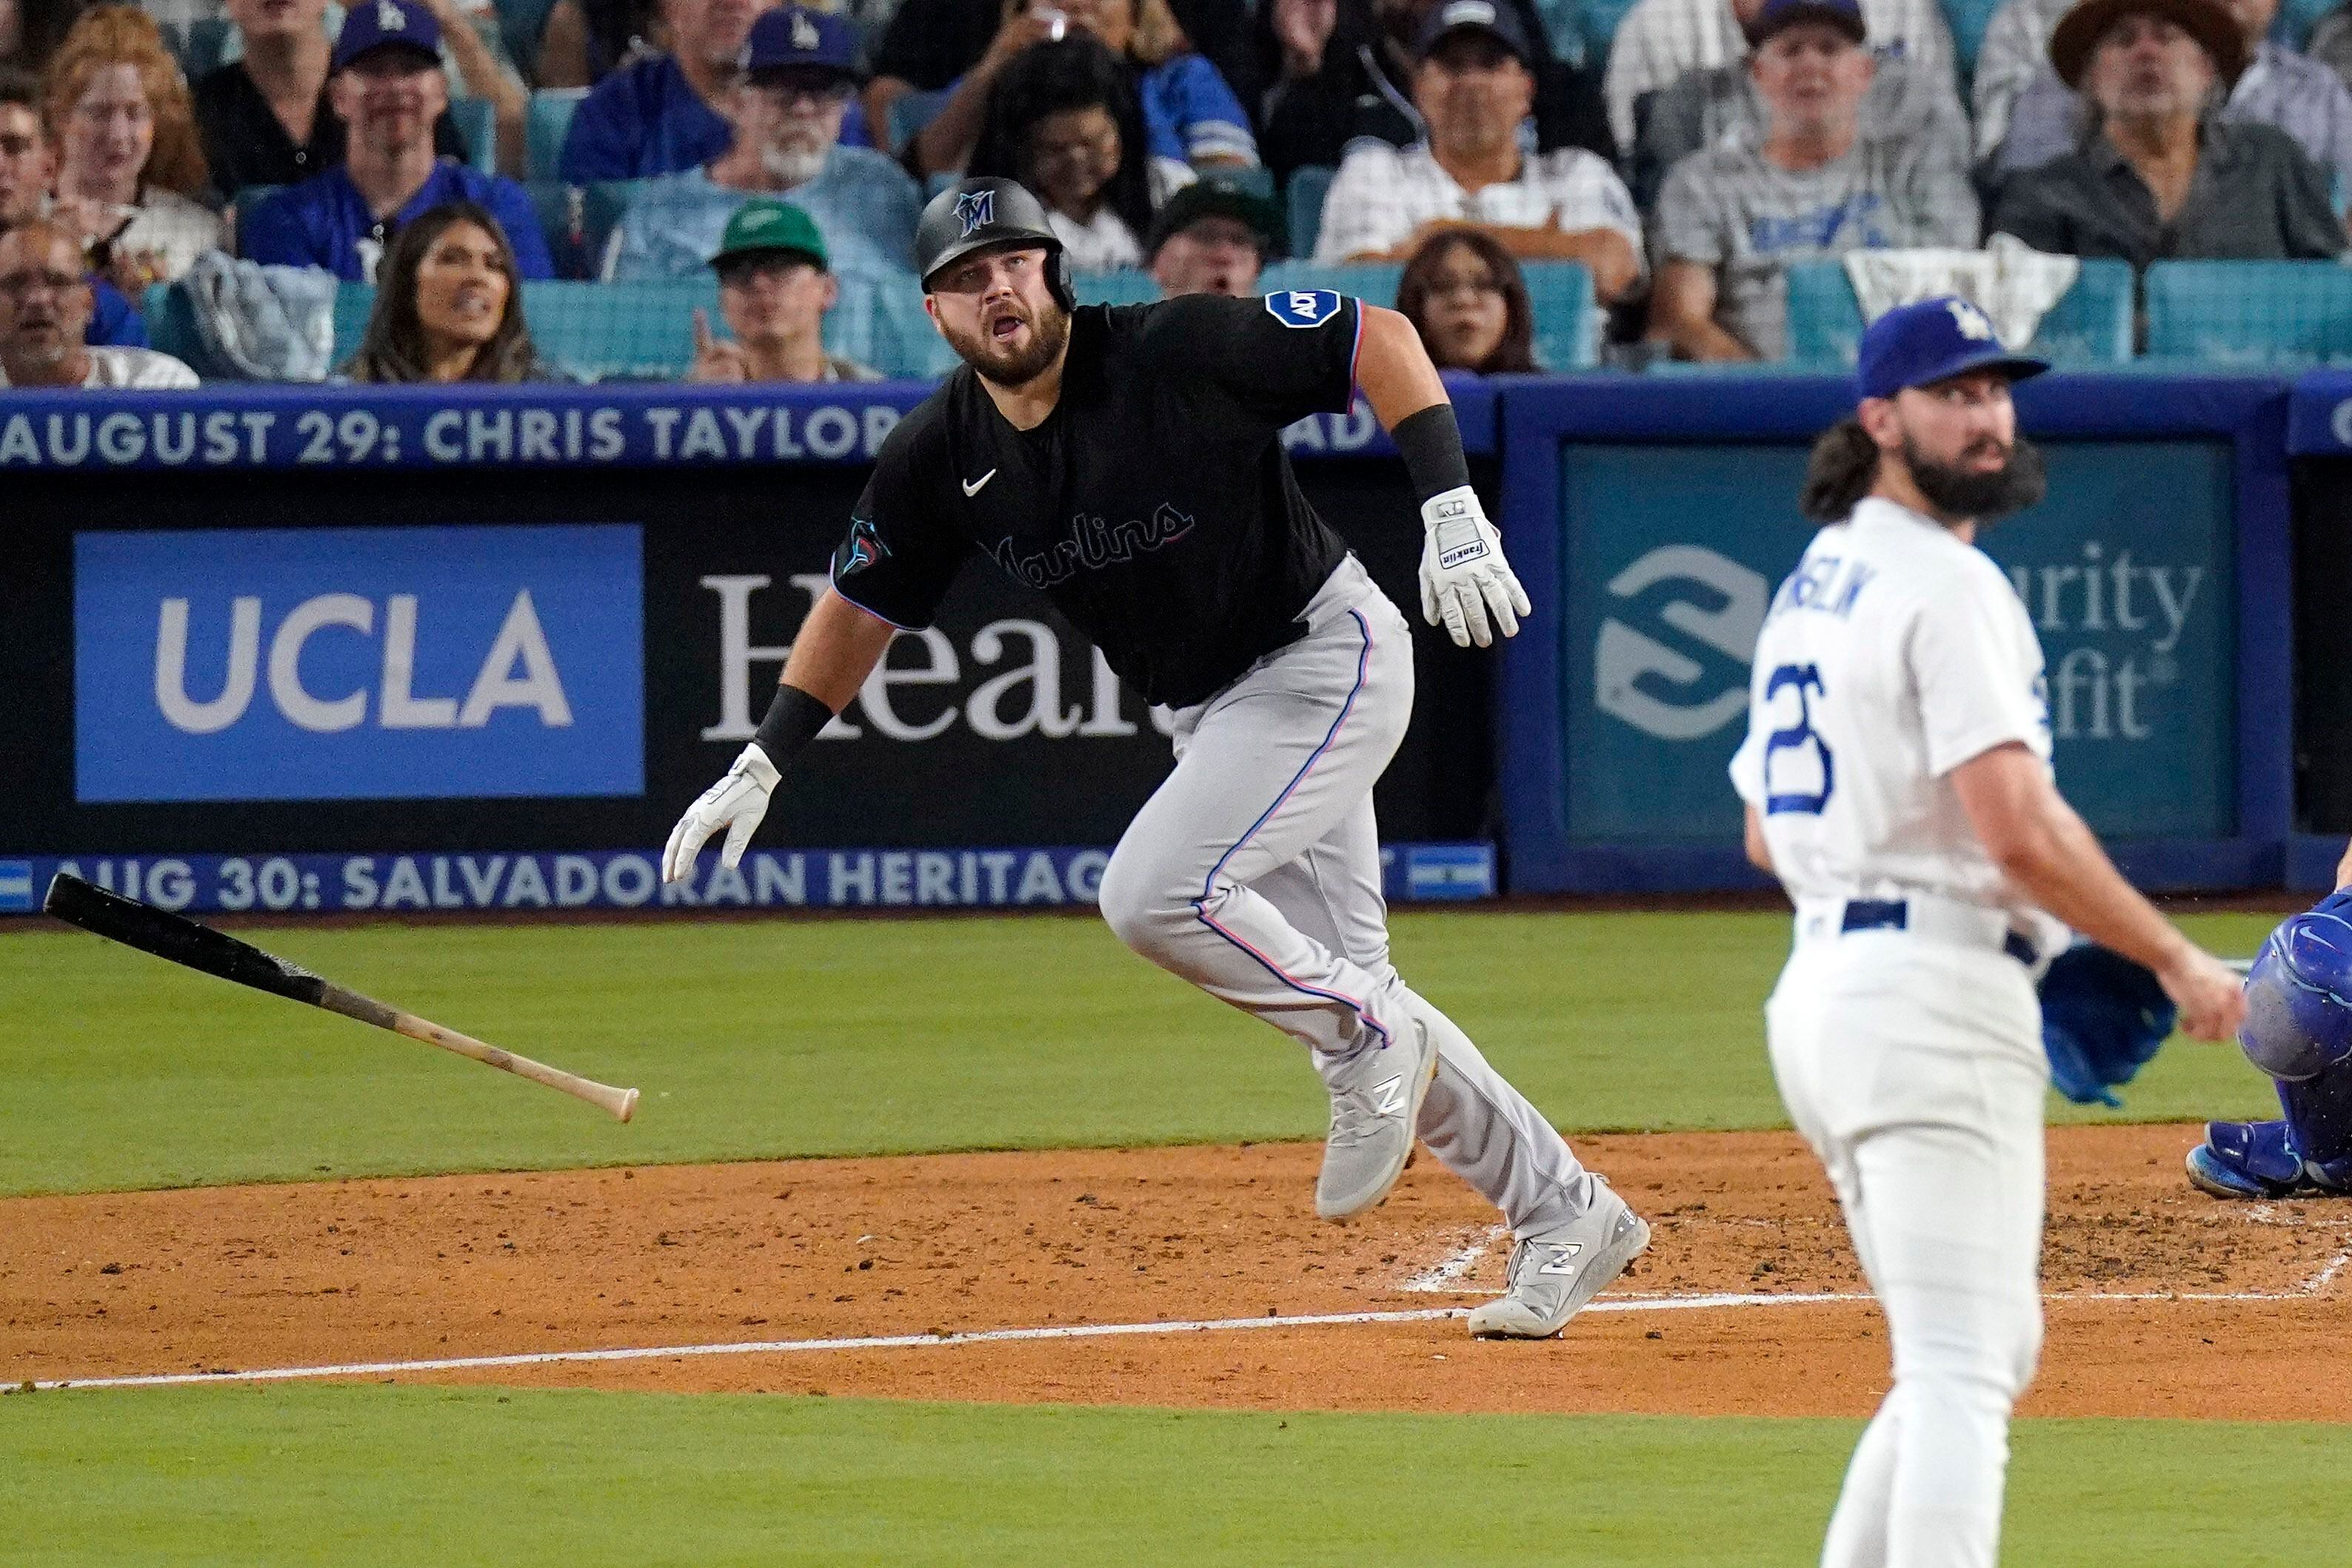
(1303, 307)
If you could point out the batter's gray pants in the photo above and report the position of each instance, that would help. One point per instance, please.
(1255, 872)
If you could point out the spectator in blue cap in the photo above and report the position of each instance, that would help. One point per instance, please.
(799, 72)
(1734, 217)
(1935, 430)
(667, 112)
(389, 88)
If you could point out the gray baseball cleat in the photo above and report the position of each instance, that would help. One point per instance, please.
(1376, 1099)
(1554, 1272)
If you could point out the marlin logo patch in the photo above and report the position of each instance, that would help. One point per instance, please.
(975, 210)
(861, 549)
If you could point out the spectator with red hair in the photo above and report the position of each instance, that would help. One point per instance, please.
(131, 178)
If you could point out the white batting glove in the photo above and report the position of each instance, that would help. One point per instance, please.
(736, 802)
(1464, 577)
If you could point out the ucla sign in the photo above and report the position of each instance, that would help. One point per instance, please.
(351, 664)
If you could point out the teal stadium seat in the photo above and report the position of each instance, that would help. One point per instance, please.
(1127, 285)
(546, 122)
(644, 332)
(1308, 185)
(1969, 19)
(2090, 325)
(477, 120)
(1567, 319)
(354, 303)
(603, 331)
(170, 322)
(2250, 313)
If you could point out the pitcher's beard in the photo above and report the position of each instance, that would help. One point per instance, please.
(1981, 495)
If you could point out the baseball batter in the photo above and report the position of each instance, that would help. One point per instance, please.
(1896, 775)
(1126, 463)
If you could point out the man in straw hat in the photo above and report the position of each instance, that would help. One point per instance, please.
(2156, 175)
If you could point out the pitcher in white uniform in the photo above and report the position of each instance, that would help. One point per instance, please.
(1897, 779)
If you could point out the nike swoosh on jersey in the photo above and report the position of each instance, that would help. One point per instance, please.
(972, 487)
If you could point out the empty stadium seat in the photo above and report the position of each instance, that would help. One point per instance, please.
(2090, 325)
(1127, 286)
(2242, 313)
(545, 124)
(477, 120)
(1308, 185)
(1969, 19)
(354, 303)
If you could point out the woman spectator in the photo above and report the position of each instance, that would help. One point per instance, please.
(1190, 114)
(1465, 295)
(1061, 122)
(448, 305)
(131, 169)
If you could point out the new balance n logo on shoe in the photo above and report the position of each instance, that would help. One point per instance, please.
(1389, 1096)
(1564, 1259)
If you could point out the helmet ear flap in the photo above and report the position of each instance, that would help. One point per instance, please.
(1060, 279)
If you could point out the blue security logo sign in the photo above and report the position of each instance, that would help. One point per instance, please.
(358, 663)
(1302, 307)
(1645, 680)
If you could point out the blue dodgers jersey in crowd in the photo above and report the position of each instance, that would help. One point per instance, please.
(1189, 113)
(645, 119)
(864, 205)
(114, 322)
(325, 222)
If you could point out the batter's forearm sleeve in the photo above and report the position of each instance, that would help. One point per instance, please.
(794, 720)
(1431, 444)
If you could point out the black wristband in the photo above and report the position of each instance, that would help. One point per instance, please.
(793, 721)
(1431, 445)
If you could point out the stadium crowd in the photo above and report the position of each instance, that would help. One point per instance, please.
(253, 157)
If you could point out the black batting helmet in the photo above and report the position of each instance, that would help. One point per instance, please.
(977, 215)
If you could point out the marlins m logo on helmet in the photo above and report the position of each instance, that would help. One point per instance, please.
(975, 210)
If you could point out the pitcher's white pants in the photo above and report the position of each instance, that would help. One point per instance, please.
(1255, 872)
(1915, 1068)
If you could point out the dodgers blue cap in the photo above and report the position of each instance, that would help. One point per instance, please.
(1934, 341)
(795, 36)
(374, 24)
(1476, 16)
(1845, 15)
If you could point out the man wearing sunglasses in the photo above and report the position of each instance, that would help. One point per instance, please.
(800, 72)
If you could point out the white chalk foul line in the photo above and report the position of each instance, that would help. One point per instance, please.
(1441, 1276)
(1059, 1331)
(899, 1341)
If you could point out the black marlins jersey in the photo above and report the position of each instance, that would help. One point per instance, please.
(1154, 506)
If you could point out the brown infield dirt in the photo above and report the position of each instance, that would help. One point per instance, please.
(339, 1273)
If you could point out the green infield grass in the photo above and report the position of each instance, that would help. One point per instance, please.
(508, 1480)
(795, 1037)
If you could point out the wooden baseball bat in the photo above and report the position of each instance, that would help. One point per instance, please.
(184, 941)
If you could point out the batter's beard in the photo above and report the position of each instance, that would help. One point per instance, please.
(1015, 367)
(1981, 495)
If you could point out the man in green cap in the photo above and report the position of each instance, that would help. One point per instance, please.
(774, 287)
(1213, 237)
